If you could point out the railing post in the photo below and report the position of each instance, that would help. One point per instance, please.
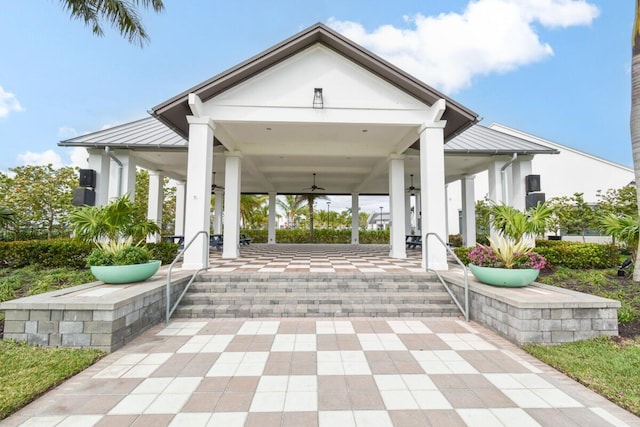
(180, 254)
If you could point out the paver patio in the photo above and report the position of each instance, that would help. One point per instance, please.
(326, 372)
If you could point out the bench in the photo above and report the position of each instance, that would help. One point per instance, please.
(216, 241)
(414, 242)
(175, 239)
(244, 240)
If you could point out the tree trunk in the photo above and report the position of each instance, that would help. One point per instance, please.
(635, 115)
(310, 204)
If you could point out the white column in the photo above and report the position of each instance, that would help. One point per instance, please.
(272, 219)
(198, 206)
(232, 183)
(495, 186)
(407, 213)
(468, 210)
(434, 254)
(355, 219)
(418, 214)
(154, 204)
(180, 199)
(446, 213)
(100, 162)
(396, 206)
(495, 180)
(217, 212)
(519, 170)
(122, 179)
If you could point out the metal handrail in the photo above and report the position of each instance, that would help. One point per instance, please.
(170, 309)
(464, 310)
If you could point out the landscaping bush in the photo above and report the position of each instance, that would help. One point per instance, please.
(455, 240)
(567, 254)
(164, 251)
(47, 253)
(463, 253)
(578, 255)
(322, 235)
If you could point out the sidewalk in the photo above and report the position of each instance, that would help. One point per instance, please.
(326, 372)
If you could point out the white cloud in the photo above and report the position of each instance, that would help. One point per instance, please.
(67, 132)
(41, 159)
(491, 36)
(77, 157)
(8, 103)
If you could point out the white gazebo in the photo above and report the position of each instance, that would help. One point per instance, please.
(316, 103)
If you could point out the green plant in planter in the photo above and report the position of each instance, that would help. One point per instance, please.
(516, 224)
(508, 253)
(113, 228)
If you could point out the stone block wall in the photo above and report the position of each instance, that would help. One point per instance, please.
(566, 316)
(75, 323)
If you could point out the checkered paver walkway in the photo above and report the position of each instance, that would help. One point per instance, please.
(324, 372)
(292, 258)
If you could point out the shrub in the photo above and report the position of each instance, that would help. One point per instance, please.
(322, 235)
(164, 251)
(53, 253)
(463, 253)
(455, 240)
(578, 255)
(572, 255)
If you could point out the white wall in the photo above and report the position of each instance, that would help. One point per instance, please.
(563, 174)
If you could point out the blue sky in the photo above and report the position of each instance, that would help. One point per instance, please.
(559, 69)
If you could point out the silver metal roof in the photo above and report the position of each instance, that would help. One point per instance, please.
(482, 140)
(150, 133)
(140, 134)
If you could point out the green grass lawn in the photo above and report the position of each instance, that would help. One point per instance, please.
(608, 366)
(28, 371)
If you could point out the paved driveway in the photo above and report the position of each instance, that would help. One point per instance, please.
(327, 372)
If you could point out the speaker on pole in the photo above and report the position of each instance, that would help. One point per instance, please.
(533, 183)
(83, 197)
(533, 199)
(87, 178)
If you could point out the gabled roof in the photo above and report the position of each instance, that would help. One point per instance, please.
(483, 140)
(552, 145)
(173, 112)
(140, 134)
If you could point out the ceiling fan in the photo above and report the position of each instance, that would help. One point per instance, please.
(412, 189)
(215, 187)
(314, 187)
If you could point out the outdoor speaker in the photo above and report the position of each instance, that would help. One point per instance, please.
(533, 183)
(533, 199)
(84, 196)
(87, 178)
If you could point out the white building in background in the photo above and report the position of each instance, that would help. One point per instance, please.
(571, 171)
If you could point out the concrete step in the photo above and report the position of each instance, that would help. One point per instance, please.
(315, 277)
(316, 295)
(317, 298)
(336, 286)
(322, 310)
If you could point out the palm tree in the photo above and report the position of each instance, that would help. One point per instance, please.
(292, 207)
(121, 14)
(250, 205)
(310, 198)
(635, 115)
(115, 222)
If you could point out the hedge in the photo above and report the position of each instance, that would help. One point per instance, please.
(52, 253)
(574, 255)
(322, 235)
(70, 253)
